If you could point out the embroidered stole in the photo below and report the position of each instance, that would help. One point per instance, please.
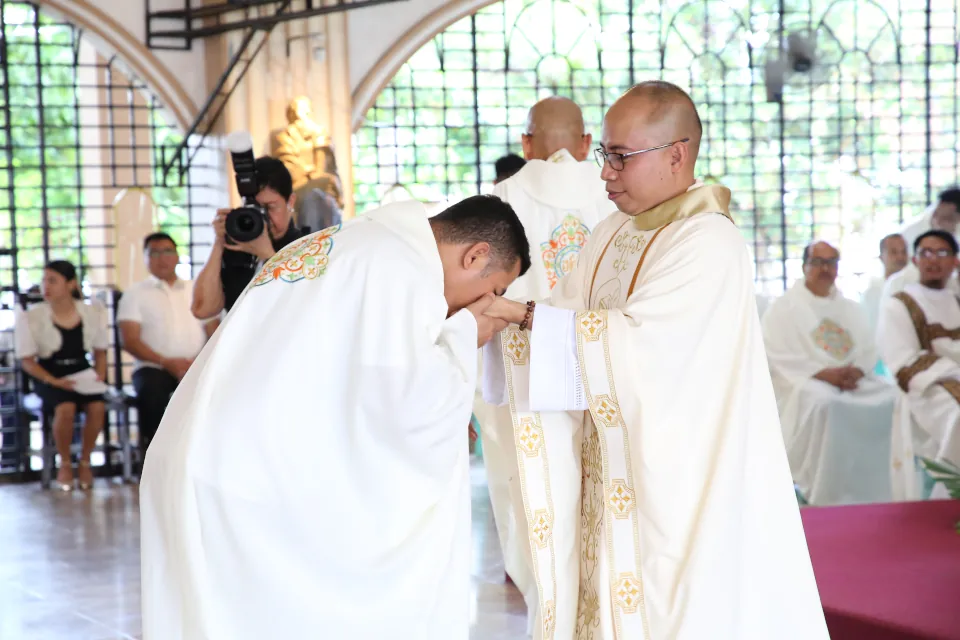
(608, 516)
(926, 334)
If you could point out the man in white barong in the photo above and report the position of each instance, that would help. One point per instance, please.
(944, 215)
(559, 198)
(836, 415)
(894, 256)
(310, 475)
(919, 338)
(647, 365)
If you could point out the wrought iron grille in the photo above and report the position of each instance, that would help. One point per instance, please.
(858, 144)
(77, 130)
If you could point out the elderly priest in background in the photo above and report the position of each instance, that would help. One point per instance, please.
(835, 414)
(919, 338)
(559, 198)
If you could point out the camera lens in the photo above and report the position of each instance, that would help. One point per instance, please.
(245, 224)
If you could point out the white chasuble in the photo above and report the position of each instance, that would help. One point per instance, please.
(919, 339)
(559, 201)
(838, 442)
(310, 476)
(665, 510)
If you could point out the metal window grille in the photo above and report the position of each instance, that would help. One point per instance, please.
(859, 144)
(77, 130)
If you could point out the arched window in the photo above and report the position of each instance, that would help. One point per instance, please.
(859, 142)
(80, 145)
(81, 140)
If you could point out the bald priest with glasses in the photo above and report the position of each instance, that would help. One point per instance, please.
(835, 413)
(656, 488)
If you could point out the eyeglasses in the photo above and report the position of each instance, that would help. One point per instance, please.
(616, 159)
(939, 253)
(823, 262)
(162, 253)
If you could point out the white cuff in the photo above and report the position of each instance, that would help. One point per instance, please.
(555, 380)
(494, 389)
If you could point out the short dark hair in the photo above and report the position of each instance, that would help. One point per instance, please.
(946, 236)
(157, 235)
(274, 174)
(883, 241)
(508, 165)
(951, 196)
(485, 218)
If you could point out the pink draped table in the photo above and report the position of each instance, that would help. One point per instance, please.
(887, 571)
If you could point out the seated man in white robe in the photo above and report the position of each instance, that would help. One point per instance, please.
(657, 490)
(559, 198)
(919, 338)
(310, 476)
(836, 415)
(894, 256)
(945, 216)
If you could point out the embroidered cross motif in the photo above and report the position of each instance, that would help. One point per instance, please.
(833, 339)
(531, 437)
(561, 252)
(517, 346)
(621, 499)
(629, 594)
(549, 618)
(606, 411)
(305, 259)
(591, 324)
(542, 528)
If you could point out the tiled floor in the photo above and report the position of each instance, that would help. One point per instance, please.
(70, 566)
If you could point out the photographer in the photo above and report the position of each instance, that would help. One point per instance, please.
(232, 266)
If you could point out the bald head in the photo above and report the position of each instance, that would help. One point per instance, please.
(820, 260)
(555, 123)
(667, 108)
(655, 131)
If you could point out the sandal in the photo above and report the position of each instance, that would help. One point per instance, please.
(86, 475)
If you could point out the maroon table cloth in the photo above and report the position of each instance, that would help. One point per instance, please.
(887, 571)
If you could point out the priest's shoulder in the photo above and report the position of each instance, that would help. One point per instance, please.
(709, 228)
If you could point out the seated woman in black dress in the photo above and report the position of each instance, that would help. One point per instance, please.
(54, 340)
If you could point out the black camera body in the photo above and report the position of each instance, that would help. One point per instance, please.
(247, 222)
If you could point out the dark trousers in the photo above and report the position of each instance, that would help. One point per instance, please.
(154, 388)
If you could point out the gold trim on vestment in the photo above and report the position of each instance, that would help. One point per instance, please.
(921, 364)
(952, 387)
(529, 443)
(926, 333)
(626, 588)
(633, 281)
(596, 269)
(711, 198)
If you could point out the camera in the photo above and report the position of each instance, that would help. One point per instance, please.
(247, 222)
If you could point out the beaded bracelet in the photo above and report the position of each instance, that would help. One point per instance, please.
(529, 315)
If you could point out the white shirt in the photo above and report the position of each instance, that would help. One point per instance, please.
(166, 323)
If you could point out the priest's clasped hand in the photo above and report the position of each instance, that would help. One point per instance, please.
(487, 325)
(508, 310)
(843, 378)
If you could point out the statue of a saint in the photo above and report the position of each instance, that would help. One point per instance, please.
(306, 150)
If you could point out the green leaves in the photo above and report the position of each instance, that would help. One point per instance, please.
(946, 473)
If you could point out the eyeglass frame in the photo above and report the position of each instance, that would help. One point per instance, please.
(820, 263)
(927, 253)
(599, 153)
